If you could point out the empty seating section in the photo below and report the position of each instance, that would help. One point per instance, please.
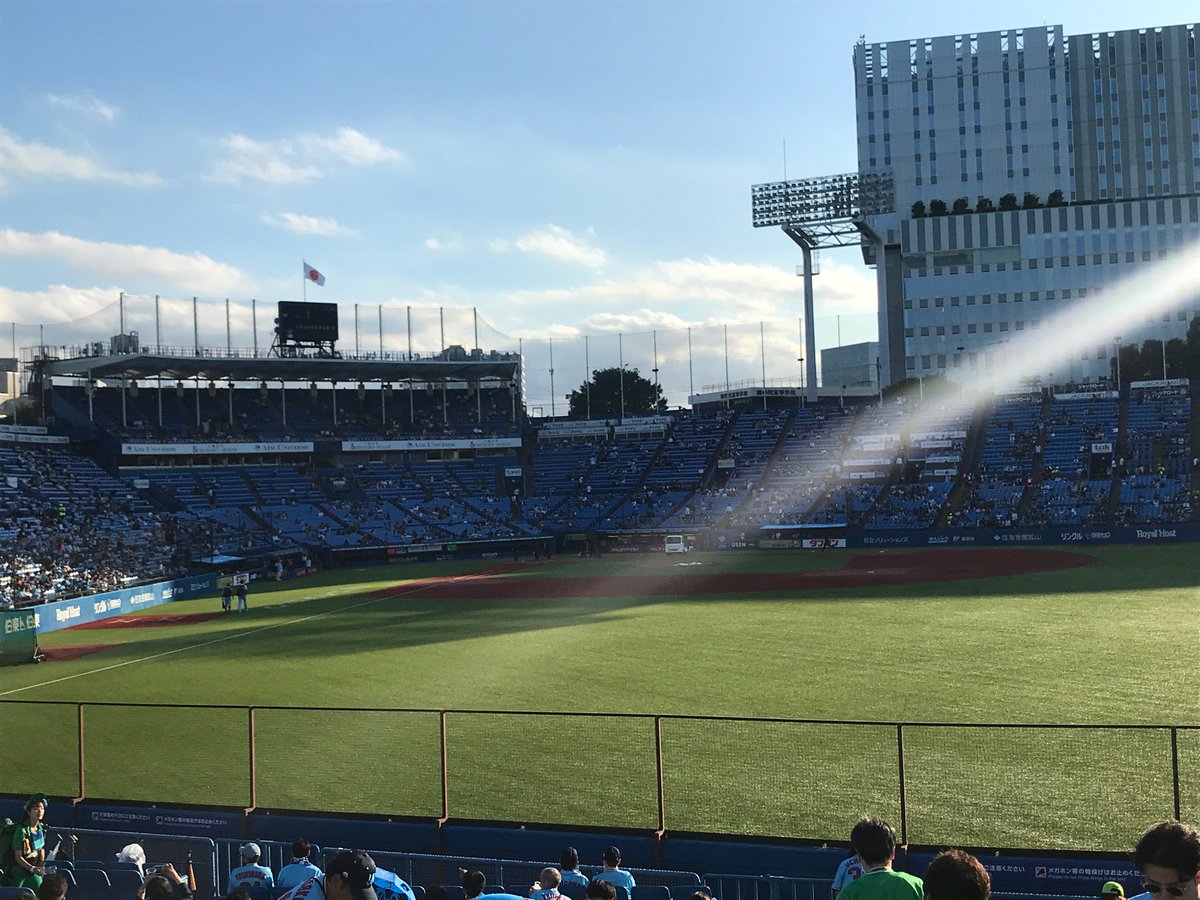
(911, 506)
(1010, 444)
(255, 413)
(802, 471)
(743, 445)
(1068, 501)
(1073, 426)
(1154, 499)
(1157, 432)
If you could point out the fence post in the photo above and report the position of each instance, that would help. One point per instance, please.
(658, 763)
(445, 773)
(1175, 769)
(253, 766)
(900, 769)
(79, 725)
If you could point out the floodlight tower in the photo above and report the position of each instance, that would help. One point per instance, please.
(830, 211)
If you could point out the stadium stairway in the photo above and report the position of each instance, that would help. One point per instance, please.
(969, 463)
(1112, 505)
(1037, 469)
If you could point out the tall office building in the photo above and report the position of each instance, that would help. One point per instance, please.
(1094, 137)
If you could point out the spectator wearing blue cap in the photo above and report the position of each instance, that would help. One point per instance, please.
(250, 876)
(614, 874)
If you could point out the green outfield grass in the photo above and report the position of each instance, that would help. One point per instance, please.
(1103, 644)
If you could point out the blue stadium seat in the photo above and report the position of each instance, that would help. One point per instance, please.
(454, 892)
(92, 883)
(651, 892)
(89, 864)
(14, 893)
(60, 864)
(125, 882)
(683, 891)
(494, 889)
(418, 891)
(574, 891)
(120, 864)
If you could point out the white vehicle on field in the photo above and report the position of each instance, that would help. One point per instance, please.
(674, 544)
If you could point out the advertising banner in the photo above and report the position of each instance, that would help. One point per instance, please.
(219, 449)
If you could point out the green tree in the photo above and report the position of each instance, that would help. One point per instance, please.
(1031, 201)
(985, 204)
(1055, 198)
(937, 207)
(918, 209)
(1177, 358)
(1008, 202)
(642, 397)
(961, 205)
(1192, 368)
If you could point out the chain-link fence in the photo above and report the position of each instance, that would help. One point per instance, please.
(1085, 787)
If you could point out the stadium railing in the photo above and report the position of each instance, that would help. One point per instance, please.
(1011, 786)
(178, 850)
(275, 854)
(516, 875)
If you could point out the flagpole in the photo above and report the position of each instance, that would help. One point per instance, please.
(304, 287)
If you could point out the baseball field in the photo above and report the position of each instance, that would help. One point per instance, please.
(766, 687)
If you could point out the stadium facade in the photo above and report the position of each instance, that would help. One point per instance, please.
(1064, 163)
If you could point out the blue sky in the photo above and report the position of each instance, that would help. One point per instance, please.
(565, 168)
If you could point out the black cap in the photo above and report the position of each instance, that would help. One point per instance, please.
(356, 869)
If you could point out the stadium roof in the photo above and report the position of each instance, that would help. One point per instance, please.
(221, 368)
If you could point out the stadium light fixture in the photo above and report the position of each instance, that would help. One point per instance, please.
(362, 390)
(179, 389)
(212, 389)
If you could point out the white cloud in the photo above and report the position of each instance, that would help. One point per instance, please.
(557, 243)
(448, 243)
(352, 147)
(302, 224)
(30, 159)
(302, 158)
(86, 103)
(707, 291)
(54, 304)
(192, 272)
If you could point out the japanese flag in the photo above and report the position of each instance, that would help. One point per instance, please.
(313, 275)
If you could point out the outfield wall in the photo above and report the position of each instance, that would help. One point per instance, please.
(978, 537)
(81, 610)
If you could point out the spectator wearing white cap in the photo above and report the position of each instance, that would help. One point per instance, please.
(250, 876)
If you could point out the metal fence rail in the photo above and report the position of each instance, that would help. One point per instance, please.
(1036, 786)
(178, 850)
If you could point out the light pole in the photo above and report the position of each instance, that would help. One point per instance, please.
(800, 359)
(1118, 366)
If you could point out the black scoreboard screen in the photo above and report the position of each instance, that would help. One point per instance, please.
(309, 322)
